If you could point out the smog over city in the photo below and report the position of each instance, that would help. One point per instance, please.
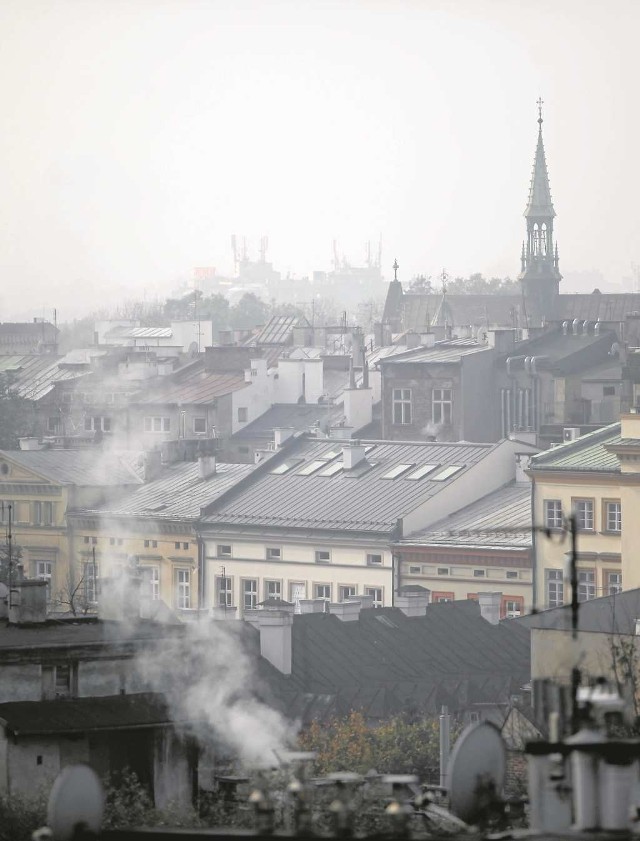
(319, 419)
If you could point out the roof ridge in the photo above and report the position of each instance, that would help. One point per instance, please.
(604, 432)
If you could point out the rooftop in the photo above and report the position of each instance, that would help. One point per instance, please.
(178, 494)
(616, 614)
(34, 376)
(298, 416)
(85, 468)
(587, 453)
(446, 351)
(306, 486)
(278, 329)
(197, 387)
(500, 520)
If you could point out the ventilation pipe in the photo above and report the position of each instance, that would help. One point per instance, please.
(576, 326)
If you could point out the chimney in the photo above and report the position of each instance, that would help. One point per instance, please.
(352, 455)
(366, 602)
(427, 339)
(206, 466)
(282, 434)
(30, 444)
(413, 599)
(490, 606)
(313, 605)
(346, 611)
(151, 465)
(275, 638)
(523, 460)
(413, 340)
(28, 603)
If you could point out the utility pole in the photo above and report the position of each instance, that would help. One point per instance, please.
(8, 507)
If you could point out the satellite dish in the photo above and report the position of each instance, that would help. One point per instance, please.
(477, 770)
(77, 798)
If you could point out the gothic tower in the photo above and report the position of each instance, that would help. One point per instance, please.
(539, 274)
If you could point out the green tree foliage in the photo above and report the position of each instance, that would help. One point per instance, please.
(248, 312)
(476, 284)
(16, 418)
(398, 746)
(214, 308)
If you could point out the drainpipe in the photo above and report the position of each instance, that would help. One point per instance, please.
(534, 554)
(201, 573)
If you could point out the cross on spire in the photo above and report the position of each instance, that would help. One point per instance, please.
(540, 103)
(395, 268)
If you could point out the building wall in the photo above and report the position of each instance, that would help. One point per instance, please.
(478, 416)
(599, 551)
(297, 566)
(555, 653)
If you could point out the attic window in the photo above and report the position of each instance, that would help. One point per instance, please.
(334, 468)
(284, 467)
(447, 472)
(310, 468)
(398, 470)
(331, 454)
(422, 471)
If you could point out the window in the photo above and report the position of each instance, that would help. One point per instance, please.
(401, 405)
(152, 543)
(200, 426)
(374, 559)
(586, 585)
(322, 591)
(224, 593)
(613, 516)
(112, 541)
(177, 544)
(346, 591)
(53, 424)
(439, 597)
(6, 509)
(442, 402)
(555, 587)
(553, 513)
(273, 589)
(614, 583)
(512, 606)
(511, 573)
(250, 594)
(157, 424)
(376, 592)
(584, 513)
(608, 391)
(86, 539)
(415, 570)
(63, 681)
(297, 591)
(224, 550)
(155, 583)
(274, 553)
(323, 556)
(443, 570)
(185, 545)
(398, 470)
(94, 541)
(97, 424)
(183, 589)
(479, 573)
(44, 572)
(36, 513)
(91, 583)
(243, 414)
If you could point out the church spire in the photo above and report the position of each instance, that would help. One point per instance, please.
(539, 204)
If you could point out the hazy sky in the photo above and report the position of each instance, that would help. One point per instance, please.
(138, 136)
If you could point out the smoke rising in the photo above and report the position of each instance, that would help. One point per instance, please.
(209, 681)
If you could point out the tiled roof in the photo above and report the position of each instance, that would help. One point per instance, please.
(86, 467)
(449, 655)
(178, 494)
(298, 416)
(201, 387)
(615, 614)
(359, 499)
(82, 715)
(441, 352)
(585, 454)
(499, 520)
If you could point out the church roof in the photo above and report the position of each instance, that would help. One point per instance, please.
(539, 203)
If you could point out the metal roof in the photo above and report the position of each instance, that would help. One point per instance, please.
(616, 614)
(85, 468)
(355, 500)
(124, 332)
(33, 376)
(499, 520)
(586, 454)
(298, 416)
(178, 494)
(200, 388)
(277, 330)
(440, 352)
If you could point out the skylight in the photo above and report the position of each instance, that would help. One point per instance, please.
(422, 471)
(398, 470)
(281, 468)
(331, 454)
(310, 468)
(447, 472)
(334, 468)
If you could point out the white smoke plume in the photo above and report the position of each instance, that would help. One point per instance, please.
(208, 679)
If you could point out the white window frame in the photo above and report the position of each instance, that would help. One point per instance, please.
(224, 591)
(323, 556)
(401, 407)
(374, 559)
(585, 514)
(614, 582)
(378, 595)
(317, 592)
(587, 585)
(249, 593)
(202, 431)
(272, 588)
(613, 515)
(273, 553)
(157, 424)
(91, 578)
(44, 572)
(442, 405)
(344, 592)
(554, 587)
(512, 608)
(553, 517)
(182, 582)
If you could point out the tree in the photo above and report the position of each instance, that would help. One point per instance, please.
(476, 284)
(248, 313)
(16, 418)
(16, 559)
